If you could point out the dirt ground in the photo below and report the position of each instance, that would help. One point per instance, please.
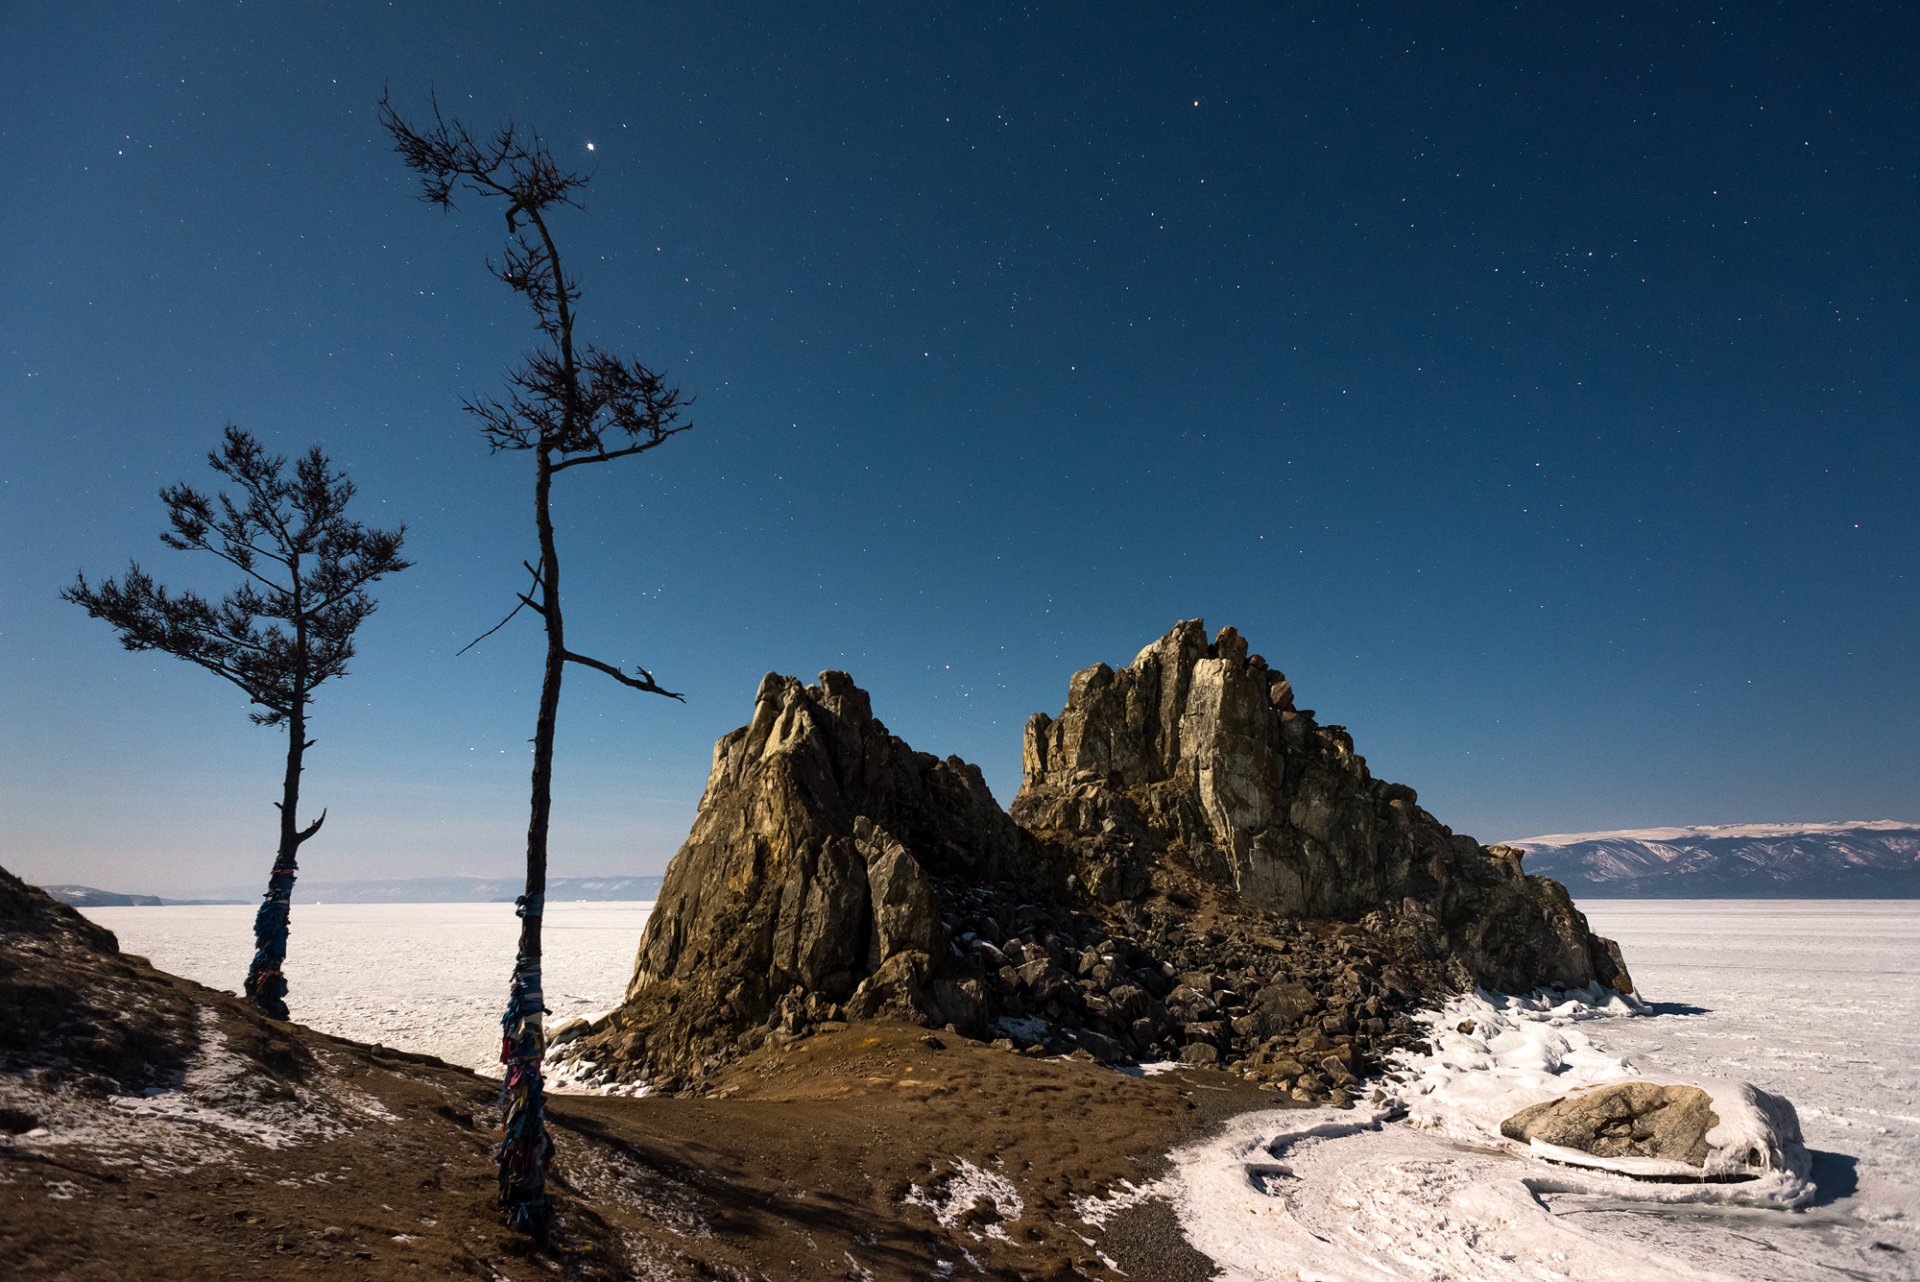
(873, 1151)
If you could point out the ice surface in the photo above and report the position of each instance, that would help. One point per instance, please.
(1814, 1001)
(1491, 1056)
(419, 977)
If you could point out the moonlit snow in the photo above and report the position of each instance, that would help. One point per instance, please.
(1818, 1001)
(1812, 1000)
(417, 977)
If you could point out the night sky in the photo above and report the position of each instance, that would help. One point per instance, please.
(1536, 387)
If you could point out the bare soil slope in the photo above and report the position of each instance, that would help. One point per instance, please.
(151, 1128)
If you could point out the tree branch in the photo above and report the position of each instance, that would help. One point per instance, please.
(300, 838)
(184, 544)
(524, 603)
(607, 456)
(644, 681)
(222, 636)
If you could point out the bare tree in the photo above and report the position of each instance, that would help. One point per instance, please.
(287, 628)
(569, 405)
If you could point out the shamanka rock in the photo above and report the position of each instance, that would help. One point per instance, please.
(1194, 869)
(803, 891)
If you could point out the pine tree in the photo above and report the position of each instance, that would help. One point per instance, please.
(285, 630)
(569, 405)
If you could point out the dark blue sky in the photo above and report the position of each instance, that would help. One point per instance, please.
(1535, 387)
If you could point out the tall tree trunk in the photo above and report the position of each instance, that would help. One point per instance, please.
(266, 986)
(525, 1146)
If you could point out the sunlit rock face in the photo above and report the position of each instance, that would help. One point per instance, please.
(1196, 756)
(1194, 868)
(808, 876)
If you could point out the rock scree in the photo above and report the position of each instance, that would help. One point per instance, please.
(1194, 869)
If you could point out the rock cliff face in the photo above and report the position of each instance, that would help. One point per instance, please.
(1194, 868)
(806, 888)
(1196, 757)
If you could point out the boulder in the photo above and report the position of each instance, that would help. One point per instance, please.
(1629, 1119)
(1657, 1130)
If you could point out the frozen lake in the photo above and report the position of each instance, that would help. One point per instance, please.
(419, 977)
(1815, 1000)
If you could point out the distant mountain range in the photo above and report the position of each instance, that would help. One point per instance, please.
(1859, 859)
(401, 890)
(88, 897)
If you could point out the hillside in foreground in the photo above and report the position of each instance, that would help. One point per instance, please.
(156, 1129)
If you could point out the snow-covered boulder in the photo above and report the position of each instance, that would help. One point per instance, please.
(1717, 1130)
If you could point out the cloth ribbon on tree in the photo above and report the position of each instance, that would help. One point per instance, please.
(266, 986)
(525, 1146)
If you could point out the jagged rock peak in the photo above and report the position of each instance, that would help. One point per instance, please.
(1148, 721)
(1195, 757)
(807, 878)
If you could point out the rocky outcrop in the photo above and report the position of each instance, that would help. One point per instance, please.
(1194, 869)
(1197, 758)
(806, 889)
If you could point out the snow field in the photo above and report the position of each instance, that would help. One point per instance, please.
(1812, 1000)
(1816, 1000)
(419, 977)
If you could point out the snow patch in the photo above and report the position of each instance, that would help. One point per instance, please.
(218, 1103)
(1096, 1211)
(1491, 1056)
(953, 1195)
(1349, 1195)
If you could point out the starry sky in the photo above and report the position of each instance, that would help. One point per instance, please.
(1536, 387)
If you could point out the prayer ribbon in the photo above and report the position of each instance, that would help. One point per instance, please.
(525, 1147)
(266, 986)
